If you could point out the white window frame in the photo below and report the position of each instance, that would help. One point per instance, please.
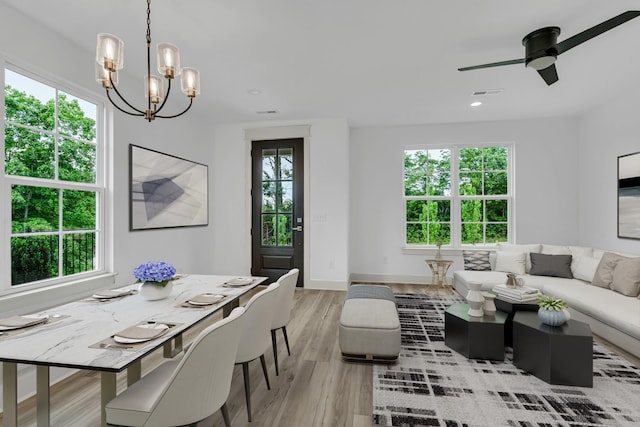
(103, 259)
(455, 198)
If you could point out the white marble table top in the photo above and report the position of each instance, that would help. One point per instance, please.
(65, 342)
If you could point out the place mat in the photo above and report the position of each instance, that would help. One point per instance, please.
(113, 293)
(111, 344)
(46, 320)
(16, 322)
(239, 281)
(203, 300)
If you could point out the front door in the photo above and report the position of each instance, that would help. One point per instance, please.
(278, 205)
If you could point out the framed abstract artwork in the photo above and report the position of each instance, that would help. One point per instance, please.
(166, 191)
(629, 196)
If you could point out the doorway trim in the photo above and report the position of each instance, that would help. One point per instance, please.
(281, 132)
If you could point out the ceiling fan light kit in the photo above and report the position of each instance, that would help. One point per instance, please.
(110, 60)
(542, 47)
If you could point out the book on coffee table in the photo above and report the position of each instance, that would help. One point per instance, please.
(521, 294)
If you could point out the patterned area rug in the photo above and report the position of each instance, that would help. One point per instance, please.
(432, 385)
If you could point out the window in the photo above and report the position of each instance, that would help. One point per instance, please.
(458, 195)
(52, 157)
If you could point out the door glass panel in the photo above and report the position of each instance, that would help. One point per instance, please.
(286, 163)
(268, 196)
(268, 230)
(269, 165)
(286, 196)
(284, 230)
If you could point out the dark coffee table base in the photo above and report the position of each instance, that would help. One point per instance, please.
(558, 355)
(511, 308)
(474, 338)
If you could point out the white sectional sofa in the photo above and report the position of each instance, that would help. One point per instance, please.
(601, 288)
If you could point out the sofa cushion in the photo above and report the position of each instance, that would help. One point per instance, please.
(551, 265)
(511, 262)
(584, 267)
(626, 277)
(521, 248)
(476, 260)
(489, 279)
(604, 273)
(555, 250)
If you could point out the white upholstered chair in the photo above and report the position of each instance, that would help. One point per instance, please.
(188, 389)
(254, 339)
(282, 313)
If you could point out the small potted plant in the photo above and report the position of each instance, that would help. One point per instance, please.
(553, 311)
(155, 279)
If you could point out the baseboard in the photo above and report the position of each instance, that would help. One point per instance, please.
(327, 285)
(392, 278)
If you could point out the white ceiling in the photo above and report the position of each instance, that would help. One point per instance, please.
(373, 62)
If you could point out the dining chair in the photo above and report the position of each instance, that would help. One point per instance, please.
(254, 338)
(188, 389)
(282, 313)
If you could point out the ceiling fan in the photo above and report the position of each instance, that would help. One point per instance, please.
(542, 49)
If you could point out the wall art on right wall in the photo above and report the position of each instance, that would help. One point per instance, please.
(629, 196)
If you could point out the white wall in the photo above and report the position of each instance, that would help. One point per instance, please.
(546, 163)
(327, 200)
(607, 132)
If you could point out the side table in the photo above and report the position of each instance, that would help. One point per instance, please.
(555, 354)
(510, 308)
(474, 337)
(439, 268)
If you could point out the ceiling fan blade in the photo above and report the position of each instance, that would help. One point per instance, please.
(594, 31)
(493, 64)
(549, 74)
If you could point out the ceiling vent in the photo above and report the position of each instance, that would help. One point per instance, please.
(487, 92)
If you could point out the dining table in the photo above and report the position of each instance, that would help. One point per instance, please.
(83, 334)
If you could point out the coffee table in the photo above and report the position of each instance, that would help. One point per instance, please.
(474, 337)
(555, 354)
(511, 307)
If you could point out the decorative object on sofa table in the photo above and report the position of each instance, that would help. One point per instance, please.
(156, 279)
(512, 280)
(475, 299)
(489, 306)
(552, 311)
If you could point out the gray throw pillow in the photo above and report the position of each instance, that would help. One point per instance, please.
(476, 260)
(551, 265)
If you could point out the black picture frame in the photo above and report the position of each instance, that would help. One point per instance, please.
(629, 196)
(166, 191)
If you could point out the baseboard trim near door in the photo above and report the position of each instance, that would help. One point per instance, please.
(391, 278)
(327, 285)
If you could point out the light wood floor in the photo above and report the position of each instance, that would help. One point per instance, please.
(315, 386)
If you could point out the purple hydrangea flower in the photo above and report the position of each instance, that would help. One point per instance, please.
(154, 271)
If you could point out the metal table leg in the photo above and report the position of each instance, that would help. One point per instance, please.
(42, 396)
(10, 394)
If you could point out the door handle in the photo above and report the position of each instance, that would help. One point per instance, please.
(298, 228)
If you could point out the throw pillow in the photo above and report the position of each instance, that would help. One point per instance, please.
(521, 248)
(551, 265)
(555, 250)
(510, 262)
(476, 260)
(604, 272)
(584, 267)
(626, 277)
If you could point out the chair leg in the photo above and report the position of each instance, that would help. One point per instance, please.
(275, 349)
(264, 371)
(286, 339)
(247, 389)
(225, 415)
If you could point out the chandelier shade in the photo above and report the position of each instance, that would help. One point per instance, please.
(110, 59)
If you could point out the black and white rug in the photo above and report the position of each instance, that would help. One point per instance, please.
(432, 385)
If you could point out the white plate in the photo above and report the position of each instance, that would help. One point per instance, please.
(202, 303)
(37, 321)
(117, 293)
(123, 340)
(239, 281)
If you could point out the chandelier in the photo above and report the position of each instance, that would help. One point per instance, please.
(110, 59)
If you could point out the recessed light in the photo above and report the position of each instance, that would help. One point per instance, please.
(254, 91)
(476, 104)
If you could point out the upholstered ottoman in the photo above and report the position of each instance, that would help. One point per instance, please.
(369, 325)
